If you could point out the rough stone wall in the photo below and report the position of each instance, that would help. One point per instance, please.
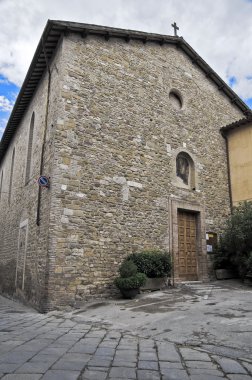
(22, 209)
(115, 149)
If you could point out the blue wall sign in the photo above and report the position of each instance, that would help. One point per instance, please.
(43, 181)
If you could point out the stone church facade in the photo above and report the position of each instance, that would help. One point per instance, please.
(126, 125)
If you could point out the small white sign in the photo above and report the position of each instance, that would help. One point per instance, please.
(209, 248)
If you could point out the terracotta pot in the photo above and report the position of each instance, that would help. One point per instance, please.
(157, 283)
(129, 293)
(224, 274)
(248, 279)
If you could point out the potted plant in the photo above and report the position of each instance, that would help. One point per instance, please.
(130, 280)
(221, 264)
(155, 264)
(233, 257)
(248, 276)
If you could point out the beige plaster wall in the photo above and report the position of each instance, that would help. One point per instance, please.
(240, 158)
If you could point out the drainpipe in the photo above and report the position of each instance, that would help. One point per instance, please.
(228, 169)
(171, 241)
(44, 135)
(44, 300)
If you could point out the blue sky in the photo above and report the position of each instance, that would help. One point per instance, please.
(249, 102)
(219, 30)
(232, 82)
(8, 94)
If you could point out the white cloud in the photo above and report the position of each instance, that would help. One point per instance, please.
(219, 30)
(4, 81)
(244, 87)
(3, 123)
(5, 104)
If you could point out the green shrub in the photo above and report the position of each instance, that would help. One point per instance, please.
(128, 269)
(221, 259)
(133, 282)
(129, 277)
(236, 241)
(249, 264)
(153, 263)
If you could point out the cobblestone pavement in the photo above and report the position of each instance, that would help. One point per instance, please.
(71, 346)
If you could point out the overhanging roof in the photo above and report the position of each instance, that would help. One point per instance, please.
(48, 43)
(239, 123)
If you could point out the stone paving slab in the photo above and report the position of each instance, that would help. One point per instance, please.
(122, 372)
(124, 363)
(174, 374)
(41, 358)
(147, 356)
(61, 375)
(16, 357)
(203, 366)
(170, 365)
(22, 377)
(239, 377)
(192, 354)
(92, 374)
(206, 377)
(49, 347)
(71, 365)
(167, 352)
(248, 366)
(33, 367)
(148, 374)
(197, 371)
(149, 365)
(97, 362)
(8, 367)
(230, 366)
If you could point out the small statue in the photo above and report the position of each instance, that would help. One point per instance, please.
(182, 168)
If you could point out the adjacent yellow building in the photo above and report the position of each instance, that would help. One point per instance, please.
(238, 136)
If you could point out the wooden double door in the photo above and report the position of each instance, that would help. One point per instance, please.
(187, 246)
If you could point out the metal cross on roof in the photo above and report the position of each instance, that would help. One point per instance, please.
(175, 28)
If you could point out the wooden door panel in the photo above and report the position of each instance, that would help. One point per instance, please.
(187, 245)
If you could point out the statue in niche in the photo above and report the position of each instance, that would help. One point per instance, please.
(182, 168)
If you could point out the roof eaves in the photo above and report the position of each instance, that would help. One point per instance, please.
(109, 32)
(210, 73)
(33, 76)
(239, 123)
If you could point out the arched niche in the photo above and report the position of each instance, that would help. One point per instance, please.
(176, 99)
(29, 150)
(185, 171)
